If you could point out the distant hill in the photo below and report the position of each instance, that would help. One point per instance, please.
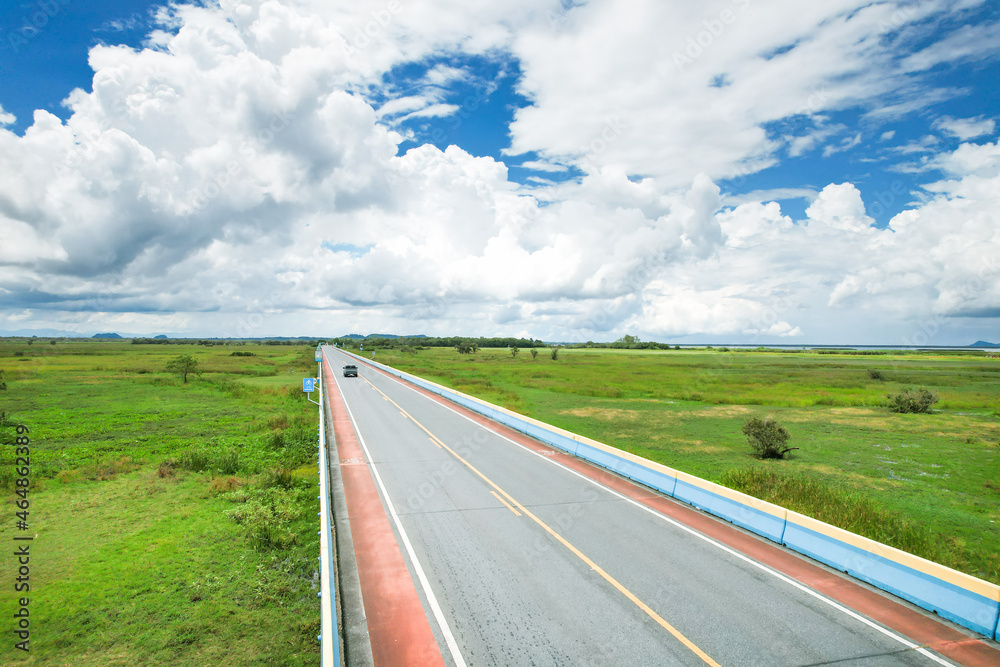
(160, 337)
(106, 335)
(983, 343)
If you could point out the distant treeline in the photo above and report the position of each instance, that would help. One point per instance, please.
(374, 342)
(222, 341)
(627, 342)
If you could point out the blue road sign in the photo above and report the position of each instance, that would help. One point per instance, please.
(309, 385)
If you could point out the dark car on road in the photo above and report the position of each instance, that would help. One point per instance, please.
(350, 371)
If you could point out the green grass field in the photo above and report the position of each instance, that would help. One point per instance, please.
(174, 524)
(926, 483)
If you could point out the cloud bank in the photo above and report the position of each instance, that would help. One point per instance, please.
(241, 175)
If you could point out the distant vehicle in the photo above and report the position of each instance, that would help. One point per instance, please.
(350, 371)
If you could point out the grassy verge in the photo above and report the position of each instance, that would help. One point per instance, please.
(929, 483)
(174, 523)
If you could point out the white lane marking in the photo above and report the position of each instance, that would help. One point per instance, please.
(805, 589)
(425, 584)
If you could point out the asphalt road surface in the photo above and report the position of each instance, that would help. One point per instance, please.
(513, 554)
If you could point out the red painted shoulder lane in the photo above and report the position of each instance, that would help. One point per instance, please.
(397, 625)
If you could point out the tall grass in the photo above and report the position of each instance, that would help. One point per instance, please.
(849, 510)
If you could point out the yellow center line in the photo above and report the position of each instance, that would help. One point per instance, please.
(579, 554)
(506, 504)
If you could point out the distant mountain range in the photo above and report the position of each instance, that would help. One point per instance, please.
(983, 343)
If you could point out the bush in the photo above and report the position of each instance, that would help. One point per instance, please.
(265, 515)
(767, 437)
(223, 461)
(876, 374)
(912, 401)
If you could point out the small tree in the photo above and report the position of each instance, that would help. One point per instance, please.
(514, 351)
(555, 352)
(912, 401)
(534, 353)
(767, 437)
(876, 374)
(184, 365)
(467, 347)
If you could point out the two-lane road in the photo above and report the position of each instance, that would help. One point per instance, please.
(520, 555)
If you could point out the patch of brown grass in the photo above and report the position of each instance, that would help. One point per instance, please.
(224, 484)
(106, 471)
(717, 411)
(280, 422)
(68, 476)
(167, 468)
(608, 414)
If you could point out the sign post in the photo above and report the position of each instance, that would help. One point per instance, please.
(309, 386)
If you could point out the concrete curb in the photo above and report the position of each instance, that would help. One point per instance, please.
(354, 623)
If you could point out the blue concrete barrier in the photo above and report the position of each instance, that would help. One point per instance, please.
(961, 598)
(746, 511)
(954, 595)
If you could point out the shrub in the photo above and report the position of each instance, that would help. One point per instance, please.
(876, 374)
(224, 461)
(912, 401)
(555, 353)
(277, 477)
(265, 515)
(767, 437)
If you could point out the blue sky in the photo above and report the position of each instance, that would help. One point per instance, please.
(44, 47)
(729, 171)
